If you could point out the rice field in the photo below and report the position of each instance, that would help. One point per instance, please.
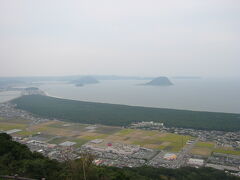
(57, 132)
(227, 151)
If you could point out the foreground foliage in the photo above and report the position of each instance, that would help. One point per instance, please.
(16, 158)
(122, 115)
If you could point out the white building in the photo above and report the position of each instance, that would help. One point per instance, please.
(96, 141)
(67, 143)
(195, 162)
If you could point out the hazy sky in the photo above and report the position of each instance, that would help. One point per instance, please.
(123, 37)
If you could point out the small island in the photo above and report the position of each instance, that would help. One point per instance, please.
(85, 80)
(159, 81)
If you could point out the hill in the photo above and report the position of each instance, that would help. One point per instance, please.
(160, 81)
(16, 158)
(123, 115)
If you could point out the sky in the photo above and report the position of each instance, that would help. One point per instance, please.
(121, 37)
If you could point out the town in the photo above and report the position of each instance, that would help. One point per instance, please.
(113, 153)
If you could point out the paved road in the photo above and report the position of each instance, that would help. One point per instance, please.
(182, 157)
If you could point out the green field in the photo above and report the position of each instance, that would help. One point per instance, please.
(207, 148)
(177, 141)
(56, 132)
(58, 140)
(205, 144)
(227, 151)
(151, 139)
(8, 126)
(203, 148)
(125, 132)
(25, 133)
(122, 115)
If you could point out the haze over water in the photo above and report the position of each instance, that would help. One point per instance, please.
(218, 95)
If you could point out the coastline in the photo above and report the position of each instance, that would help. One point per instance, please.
(101, 100)
(49, 95)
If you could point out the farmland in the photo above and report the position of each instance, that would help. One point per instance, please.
(203, 148)
(56, 132)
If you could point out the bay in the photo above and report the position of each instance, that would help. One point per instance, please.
(216, 95)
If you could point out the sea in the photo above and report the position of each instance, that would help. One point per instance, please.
(8, 95)
(204, 94)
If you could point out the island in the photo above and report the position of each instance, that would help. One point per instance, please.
(159, 81)
(85, 80)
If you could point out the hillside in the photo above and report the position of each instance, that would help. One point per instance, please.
(160, 81)
(16, 158)
(122, 115)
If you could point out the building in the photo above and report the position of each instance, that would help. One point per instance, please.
(222, 167)
(196, 162)
(170, 156)
(67, 143)
(97, 141)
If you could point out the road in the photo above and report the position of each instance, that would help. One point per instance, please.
(182, 156)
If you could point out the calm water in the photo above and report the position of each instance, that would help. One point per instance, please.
(8, 95)
(202, 94)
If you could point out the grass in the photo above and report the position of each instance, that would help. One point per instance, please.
(16, 121)
(92, 137)
(203, 148)
(58, 140)
(125, 132)
(107, 130)
(25, 133)
(170, 137)
(57, 124)
(205, 144)
(79, 142)
(161, 147)
(177, 142)
(203, 151)
(43, 129)
(77, 133)
(8, 126)
(155, 139)
(72, 126)
(206, 148)
(226, 151)
(151, 133)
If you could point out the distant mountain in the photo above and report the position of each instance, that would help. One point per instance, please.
(159, 81)
(114, 77)
(14, 81)
(85, 80)
(186, 77)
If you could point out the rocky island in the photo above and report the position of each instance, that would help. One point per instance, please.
(159, 81)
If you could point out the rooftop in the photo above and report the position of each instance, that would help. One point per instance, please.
(67, 143)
